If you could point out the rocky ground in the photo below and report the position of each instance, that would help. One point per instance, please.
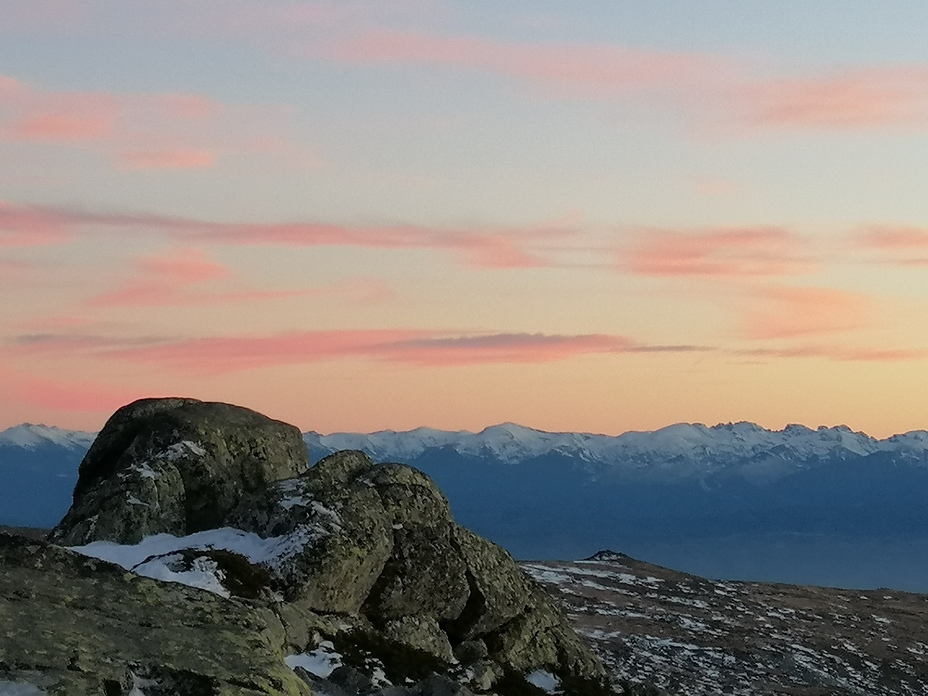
(203, 557)
(30, 532)
(696, 637)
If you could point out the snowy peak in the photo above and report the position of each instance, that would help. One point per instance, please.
(29, 436)
(679, 451)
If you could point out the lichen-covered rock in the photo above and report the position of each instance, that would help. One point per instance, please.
(541, 636)
(175, 466)
(422, 633)
(362, 556)
(424, 575)
(499, 590)
(77, 626)
(341, 534)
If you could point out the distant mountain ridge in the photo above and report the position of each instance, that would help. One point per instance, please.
(733, 500)
(679, 451)
(31, 436)
(682, 449)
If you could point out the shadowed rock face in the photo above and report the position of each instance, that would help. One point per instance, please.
(177, 466)
(356, 553)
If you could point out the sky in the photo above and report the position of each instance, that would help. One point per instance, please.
(355, 216)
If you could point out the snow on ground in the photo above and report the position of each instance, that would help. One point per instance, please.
(182, 449)
(158, 556)
(139, 685)
(203, 574)
(321, 661)
(543, 680)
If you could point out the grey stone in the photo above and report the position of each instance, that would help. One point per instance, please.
(499, 590)
(424, 575)
(88, 625)
(360, 547)
(440, 685)
(344, 533)
(422, 633)
(350, 680)
(471, 651)
(175, 466)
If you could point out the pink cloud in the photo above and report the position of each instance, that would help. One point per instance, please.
(218, 355)
(503, 348)
(228, 354)
(897, 245)
(482, 247)
(61, 127)
(706, 86)
(31, 226)
(860, 98)
(839, 354)
(898, 237)
(418, 347)
(139, 131)
(723, 252)
(590, 67)
(64, 395)
(487, 248)
(154, 294)
(166, 159)
(59, 323)
(177, 278)
(788, 312)
(173, 279)
(183, 265)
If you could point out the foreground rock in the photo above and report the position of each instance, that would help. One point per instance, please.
(75, 625)
(176, 466)
(354, 572)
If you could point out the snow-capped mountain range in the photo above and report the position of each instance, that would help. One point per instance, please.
(683, 450)
(733, 500)
(31, 437)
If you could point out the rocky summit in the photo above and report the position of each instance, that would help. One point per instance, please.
(202, 555)
(175, 466)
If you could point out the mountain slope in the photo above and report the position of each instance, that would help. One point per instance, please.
(697, 637)
(681, 451)
(38, 470)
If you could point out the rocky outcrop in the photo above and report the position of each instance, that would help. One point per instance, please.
(381, 542)
(360, 561)
(177, 466)
(76, 626)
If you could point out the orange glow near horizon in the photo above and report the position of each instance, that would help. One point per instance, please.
(357, 217)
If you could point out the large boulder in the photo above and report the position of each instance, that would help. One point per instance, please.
(379, 541)
(338, 538)
(176, 466)
(361, 556)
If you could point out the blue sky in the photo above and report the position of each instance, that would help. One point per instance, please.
(587, 216)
